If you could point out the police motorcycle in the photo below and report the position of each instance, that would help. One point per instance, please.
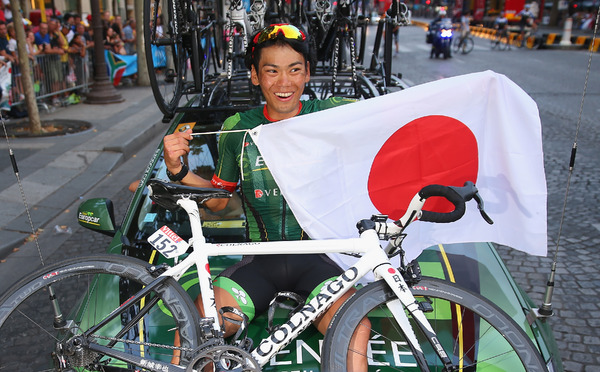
(439, 35)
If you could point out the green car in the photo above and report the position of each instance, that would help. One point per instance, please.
(476, 267)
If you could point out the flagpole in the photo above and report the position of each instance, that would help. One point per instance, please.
(102, 91)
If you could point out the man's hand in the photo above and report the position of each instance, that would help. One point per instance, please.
(176, 145)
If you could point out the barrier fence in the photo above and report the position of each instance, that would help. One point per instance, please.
(54, 77)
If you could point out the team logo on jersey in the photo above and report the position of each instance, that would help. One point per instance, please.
(258, 193)
(240, 295)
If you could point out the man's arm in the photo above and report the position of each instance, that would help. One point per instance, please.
(177, 145)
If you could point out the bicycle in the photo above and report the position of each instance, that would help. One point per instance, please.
(182, 30)
(501, 40)
(463, 44)
(527, 38)
(422, 321)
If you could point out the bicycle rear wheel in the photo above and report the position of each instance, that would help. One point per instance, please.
(475, 333)
(494, 42)
(504, 42)
(165, 53)
(467, 45)
(86, 291)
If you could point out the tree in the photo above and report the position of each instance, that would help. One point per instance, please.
(35, 124)
(143, 79)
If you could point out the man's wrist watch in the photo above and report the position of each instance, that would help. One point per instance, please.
(179, 176)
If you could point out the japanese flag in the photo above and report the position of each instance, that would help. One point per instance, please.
(344, 164)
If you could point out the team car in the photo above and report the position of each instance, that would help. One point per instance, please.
(475, 266)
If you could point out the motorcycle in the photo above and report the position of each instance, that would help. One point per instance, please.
(439, 35)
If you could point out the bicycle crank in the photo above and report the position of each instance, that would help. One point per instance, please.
(223, 358)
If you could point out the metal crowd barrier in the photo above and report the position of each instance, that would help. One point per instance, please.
(52, 78)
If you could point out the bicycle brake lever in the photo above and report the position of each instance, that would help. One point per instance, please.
(480, 206)
(468, 192)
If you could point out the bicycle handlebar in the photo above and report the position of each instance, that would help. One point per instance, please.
(448, 193)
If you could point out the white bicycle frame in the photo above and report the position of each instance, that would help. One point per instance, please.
(373, 259)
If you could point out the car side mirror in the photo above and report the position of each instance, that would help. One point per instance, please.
(97, 214)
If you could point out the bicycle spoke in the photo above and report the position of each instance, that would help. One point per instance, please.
(87, 292)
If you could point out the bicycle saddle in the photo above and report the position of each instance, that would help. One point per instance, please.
(166, 194)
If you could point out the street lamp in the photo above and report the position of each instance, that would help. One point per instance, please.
(102, 91)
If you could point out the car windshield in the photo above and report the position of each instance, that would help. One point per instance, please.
(223, 226)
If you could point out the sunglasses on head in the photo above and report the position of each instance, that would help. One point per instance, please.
(272, 32)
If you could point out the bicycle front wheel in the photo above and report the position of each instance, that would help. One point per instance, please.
(475, 333)
(456, 45)
(166, 56)
(86, 290)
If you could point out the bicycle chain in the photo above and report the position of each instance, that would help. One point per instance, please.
(149, 344)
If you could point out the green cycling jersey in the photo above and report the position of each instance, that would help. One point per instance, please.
(267, 213)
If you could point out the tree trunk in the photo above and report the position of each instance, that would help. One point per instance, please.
(35, 125)
(143, 79)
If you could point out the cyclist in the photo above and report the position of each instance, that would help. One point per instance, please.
(465, 26)
(279, 60)
(526, 20)
(501, 26)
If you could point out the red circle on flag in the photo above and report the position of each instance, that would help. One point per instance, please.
(429, 150)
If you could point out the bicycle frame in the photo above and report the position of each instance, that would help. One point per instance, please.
(373, 258)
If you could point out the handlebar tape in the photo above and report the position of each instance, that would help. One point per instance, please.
(449, 194)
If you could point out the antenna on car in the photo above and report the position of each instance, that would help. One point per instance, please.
(546, 309)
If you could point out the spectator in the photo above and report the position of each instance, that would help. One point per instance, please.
(8, 17)
(57, 59)
(12, 51)
(5, 53)
(129, 36)
(77, 46)
(32, 48)
(69, 19)
(106, 23)
(42, 37)
(117, 26)
(77, 52)
(86, 38)
(12, 40)
(67, 32)
(113, 42)
(76, 20)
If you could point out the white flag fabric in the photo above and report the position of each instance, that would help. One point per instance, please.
(341, 165)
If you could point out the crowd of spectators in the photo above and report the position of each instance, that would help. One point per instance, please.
(69, 39)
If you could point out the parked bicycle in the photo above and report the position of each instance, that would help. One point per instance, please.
(55, 312)
(181, 30)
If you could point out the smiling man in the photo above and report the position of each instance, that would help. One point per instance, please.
(279, 60)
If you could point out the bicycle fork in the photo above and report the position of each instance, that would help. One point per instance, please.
(406, 301)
